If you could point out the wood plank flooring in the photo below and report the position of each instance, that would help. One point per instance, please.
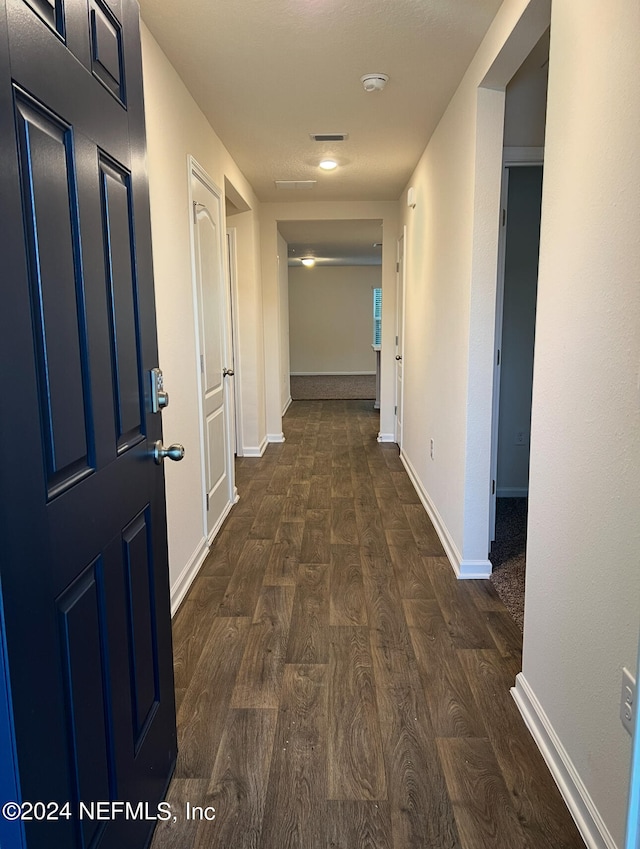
(338, 688)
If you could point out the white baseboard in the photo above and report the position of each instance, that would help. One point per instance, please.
(386, 437)
(512, 492)
(581, 806)
(474, 570)
(223, 516)
(275, 437)
(331, 373)
(252, 451)
(188, 574)
(287, 405)
(451, 550)
(464, 569)
(194, 564)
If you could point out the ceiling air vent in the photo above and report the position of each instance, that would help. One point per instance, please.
(295, 184)
(329, 137)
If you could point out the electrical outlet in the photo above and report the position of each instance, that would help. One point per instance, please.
(520, 438)
(431, 448)
(628, 700)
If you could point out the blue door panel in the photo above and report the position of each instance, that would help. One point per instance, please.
(53, 252)
(87, 709)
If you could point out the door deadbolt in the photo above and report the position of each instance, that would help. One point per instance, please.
(159, 398)
(173, 452)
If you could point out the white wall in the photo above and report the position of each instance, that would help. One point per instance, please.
(583, 575)
(175, 129)
(331, 319)
(583, 580)
(270, 214)
(526, 103)
(451, 258)
(283, 289)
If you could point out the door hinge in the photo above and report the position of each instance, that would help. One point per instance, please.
(395, 411)
(498, 360)
(493, 487)
(207, 501)
(504, 217)
(201, 363)
(397, 267)
(396, 341)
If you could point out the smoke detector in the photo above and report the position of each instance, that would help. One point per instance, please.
(374, 82)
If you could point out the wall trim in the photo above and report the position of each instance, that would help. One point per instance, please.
(255, 451)
(581, 806)
(287, 404)
(386, 437)
(523, 155)
(451, 550)
(512, 492)
(464, 569)
(275, 437)
(214, 531)
(332, 373)
(188, 574)
(474, 570)
(194, 564)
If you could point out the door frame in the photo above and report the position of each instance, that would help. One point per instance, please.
(632, 840)
(234, 301)
(401, 289)
(11, 832)
(514, 157)
(196, 170)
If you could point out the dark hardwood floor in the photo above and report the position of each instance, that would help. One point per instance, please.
(337, 687)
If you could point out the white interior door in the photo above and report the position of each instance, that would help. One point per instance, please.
(216, 367)
(399, 341)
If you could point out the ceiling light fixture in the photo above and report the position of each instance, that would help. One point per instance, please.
(374, 82)
(328, 164)
(308, 261)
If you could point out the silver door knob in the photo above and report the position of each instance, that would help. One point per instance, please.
(398, 357)
(227, 372)
(173, 452)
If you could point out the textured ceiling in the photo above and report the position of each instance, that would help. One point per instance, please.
(334, 242)
(267, 73)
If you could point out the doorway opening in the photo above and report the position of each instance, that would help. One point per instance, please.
(330, 314)
(515, 325)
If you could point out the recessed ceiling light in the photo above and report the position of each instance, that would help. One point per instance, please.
(308, 261)
(328, 164)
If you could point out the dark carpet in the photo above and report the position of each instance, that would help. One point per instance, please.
(508, 555)
(328, 387)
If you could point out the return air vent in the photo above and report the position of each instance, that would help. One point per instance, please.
(295, 184)
(329, 137)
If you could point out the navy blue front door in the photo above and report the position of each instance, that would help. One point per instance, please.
(83, 555)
